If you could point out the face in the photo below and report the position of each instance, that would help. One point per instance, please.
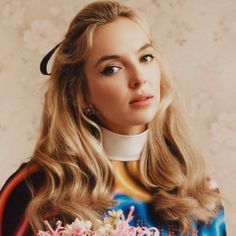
(123, 77)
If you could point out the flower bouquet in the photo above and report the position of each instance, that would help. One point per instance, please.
(114, 224)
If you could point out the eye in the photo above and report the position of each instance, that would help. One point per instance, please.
(147, 58)
(109, 70)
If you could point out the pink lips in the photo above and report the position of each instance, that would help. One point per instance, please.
(141, 99)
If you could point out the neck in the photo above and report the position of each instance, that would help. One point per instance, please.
(133, 130)
(122, 147)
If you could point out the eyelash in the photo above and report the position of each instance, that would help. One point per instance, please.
(110, 67)
(150, 55)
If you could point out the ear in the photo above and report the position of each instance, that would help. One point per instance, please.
(87, 102)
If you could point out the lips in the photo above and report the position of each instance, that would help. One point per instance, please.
(140, 98)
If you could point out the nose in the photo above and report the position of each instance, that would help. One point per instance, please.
(136, 79)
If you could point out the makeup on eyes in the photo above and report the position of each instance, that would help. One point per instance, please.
(146, 46)
(111, 65)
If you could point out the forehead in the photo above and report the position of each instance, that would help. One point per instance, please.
(118, 37)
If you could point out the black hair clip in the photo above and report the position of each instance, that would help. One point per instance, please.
(45, 60)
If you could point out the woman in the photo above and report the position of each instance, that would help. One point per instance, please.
(112, 135)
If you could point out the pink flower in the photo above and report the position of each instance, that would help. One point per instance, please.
(51, 232)
(107, 227)
(77, 231)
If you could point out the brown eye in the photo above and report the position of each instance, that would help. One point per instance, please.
(109, 70)
(147, 58)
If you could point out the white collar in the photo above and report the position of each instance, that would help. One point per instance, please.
(120, 147)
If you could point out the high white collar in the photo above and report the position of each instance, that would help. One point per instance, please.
(120, 147)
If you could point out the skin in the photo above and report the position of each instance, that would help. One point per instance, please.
(114, 82)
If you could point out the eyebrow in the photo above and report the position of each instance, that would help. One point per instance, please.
(109, 57)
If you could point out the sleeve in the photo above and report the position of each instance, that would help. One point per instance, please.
(217, 226)
(14, 199)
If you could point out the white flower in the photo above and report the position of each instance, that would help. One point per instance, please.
(114, 217)
(115, 214)
(105, 229)
(84, 225)
(81, 227)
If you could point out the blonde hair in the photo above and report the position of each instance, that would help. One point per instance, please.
(79, 180)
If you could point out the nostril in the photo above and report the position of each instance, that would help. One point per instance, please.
(138, 82)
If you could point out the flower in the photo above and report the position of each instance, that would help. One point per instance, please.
(78, 227)
(114, 217)
(105, 229)
(114, 224)
(51, 232)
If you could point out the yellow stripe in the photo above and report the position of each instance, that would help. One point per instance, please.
(127, 185)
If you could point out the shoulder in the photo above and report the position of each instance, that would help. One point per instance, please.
(28, 172)
(16, 194)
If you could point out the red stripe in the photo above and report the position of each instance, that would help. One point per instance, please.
(23, 227)
(16, 179)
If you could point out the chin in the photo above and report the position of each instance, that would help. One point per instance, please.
(142, 120)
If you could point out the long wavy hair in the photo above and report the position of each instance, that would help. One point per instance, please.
(79, 180)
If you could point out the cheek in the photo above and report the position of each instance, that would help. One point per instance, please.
(104, 95)
(155, 77)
